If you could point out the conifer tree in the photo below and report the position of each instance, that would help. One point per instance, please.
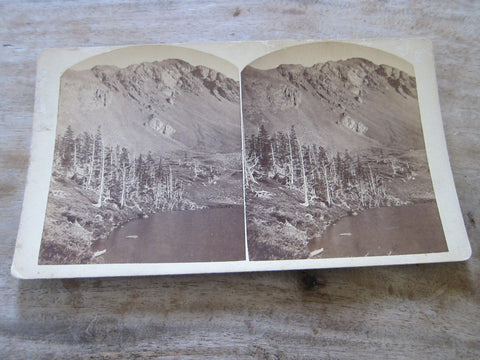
(264, 149)
(67, 147)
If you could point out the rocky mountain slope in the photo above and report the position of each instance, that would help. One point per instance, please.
(180, 126)
(162, 106)
(370, 110)
(346, 104)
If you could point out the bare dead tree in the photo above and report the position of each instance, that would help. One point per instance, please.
(274, 163)
(92, 163)
(102, 176)
(304, 175)
(327, 185)
(249, 169)
(124, 186)
(291, 160)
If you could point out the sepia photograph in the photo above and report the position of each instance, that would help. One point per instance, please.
(335, 160)
(220, 157)
(147, 165)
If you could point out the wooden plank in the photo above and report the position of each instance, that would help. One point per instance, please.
(420, 311)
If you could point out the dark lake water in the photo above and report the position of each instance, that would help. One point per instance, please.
(382, 231)
(215, 234)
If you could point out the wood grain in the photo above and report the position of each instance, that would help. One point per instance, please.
(401, 312)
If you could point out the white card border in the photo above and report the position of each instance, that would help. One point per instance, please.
(53, 62)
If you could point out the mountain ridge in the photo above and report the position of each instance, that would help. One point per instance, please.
(164, 106)
(345, 104)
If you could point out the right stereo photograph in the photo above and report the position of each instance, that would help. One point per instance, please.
(334, 156)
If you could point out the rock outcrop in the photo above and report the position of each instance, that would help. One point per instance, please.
(352, 124)
(346, 81)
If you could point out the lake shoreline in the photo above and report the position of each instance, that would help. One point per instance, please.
(95, 246)
(369, 216)
(75, 223)
(360, 211)
(281, 228)
(208, 234)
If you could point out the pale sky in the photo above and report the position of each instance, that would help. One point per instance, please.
(320, 52)
(129, 55)
(306, 54)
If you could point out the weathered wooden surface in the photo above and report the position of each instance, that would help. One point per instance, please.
(406, 312)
